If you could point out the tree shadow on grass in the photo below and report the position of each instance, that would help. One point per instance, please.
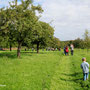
(27, 52)
(72, 75)
(8, 55)
(72, 80)
(13, 55)
(33, 52)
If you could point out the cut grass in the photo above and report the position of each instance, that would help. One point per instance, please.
(65, 77)
(44, 71)
(31, 72)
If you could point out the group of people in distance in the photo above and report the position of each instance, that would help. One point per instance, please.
(66, 49)
(84, 65)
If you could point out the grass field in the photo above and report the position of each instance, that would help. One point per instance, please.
(45, 71)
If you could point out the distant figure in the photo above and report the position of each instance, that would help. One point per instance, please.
(56, 49)
(64, 50)
(72, 49)
(85, 68)
(32, 49)
(67, 50)
(59, 49)
(25, 49)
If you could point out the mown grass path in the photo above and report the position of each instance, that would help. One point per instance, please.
(68, 74)
(64, 77)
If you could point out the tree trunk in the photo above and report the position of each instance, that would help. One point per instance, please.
(38, 47)
(18, 49)
(10, 47)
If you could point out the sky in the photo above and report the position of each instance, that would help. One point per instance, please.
(70, 18)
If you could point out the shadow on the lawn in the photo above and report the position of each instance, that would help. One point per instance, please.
(76, 77)
(72, 75)
(13, 55)
(33, 52)
(8, 55)
(73, 80)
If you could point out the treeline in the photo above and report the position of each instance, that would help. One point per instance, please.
(20, 26)
(79, 43)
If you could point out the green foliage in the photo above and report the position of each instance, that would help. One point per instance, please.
(78, 43)
(87, 39)
(55, 43)
(24, 20)
(65, 43)
(18, 21)
(42, 34)
(20, 25)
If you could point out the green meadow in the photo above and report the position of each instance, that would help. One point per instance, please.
(48, 70)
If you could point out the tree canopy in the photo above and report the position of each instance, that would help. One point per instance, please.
(42, 34)
(19, 24)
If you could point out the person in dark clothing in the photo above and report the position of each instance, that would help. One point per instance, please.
(64, 50)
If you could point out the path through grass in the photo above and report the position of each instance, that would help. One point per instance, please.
(68, 75)
(44, 71)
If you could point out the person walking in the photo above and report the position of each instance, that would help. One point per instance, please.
(85, 68)
(72, 49)
(64, 49)
(67, 50)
